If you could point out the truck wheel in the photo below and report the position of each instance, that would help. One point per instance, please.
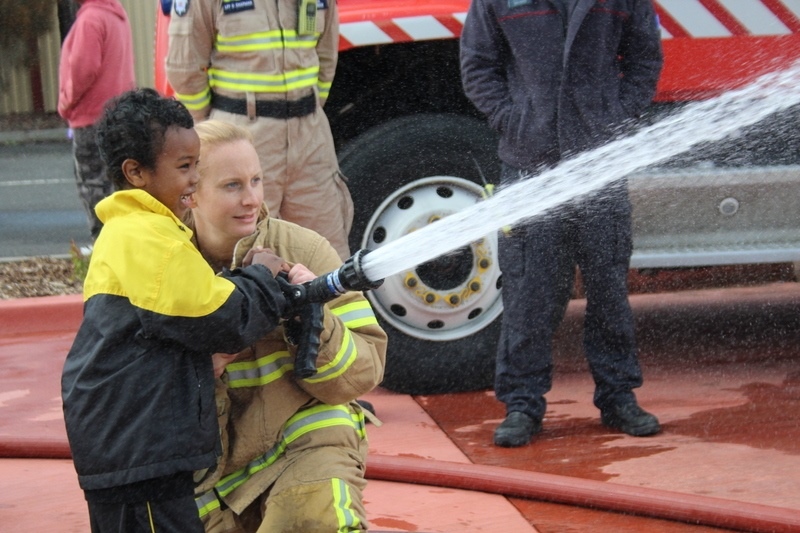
(442, 317)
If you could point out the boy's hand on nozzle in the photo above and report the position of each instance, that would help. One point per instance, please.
(291, 284)
(266, 257)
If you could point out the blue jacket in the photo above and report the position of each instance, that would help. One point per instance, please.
(551, 88)
(138, 382)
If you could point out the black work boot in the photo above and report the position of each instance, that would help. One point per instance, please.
(516, 430)
(629, 418)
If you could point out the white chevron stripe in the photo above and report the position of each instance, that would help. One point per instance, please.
(793, 6)
(756, 17)
(423, 28)
(363, 33)
(695, 18)
(698, 21)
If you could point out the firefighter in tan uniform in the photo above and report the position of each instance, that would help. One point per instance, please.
(257, 64)
(294, 450)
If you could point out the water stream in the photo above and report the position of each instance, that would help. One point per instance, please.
(698, 122)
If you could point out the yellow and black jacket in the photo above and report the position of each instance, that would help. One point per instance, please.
(138, 382)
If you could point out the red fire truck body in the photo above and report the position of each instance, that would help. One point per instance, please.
(709, 45)
(415, 150)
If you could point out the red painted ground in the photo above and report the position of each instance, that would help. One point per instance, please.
(722, 372)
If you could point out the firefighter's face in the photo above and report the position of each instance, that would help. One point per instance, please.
(230, 192)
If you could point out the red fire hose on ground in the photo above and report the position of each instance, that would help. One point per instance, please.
(600, 495)
(654, 503)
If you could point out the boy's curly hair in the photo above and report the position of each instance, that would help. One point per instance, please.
(133, 126)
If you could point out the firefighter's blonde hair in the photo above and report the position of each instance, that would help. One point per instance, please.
(213, 133)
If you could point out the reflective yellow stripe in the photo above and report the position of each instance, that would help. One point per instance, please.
(150, 518)
(263, 83)
(356, 314)
(324, 88)
(343, 360)
(259, 372)
(353, 315)
(346, 519)
(206, 503)
(195, 101)
(266, 40)
(271, 367)
(317, 417)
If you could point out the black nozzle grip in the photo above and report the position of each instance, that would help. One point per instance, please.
(311, 325)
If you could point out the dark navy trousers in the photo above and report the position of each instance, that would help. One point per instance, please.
(538, 260)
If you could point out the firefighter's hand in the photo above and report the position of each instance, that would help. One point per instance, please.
(266, 257)
(220, 361)
(300, 274)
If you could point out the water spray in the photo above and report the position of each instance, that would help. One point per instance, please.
(699, 122)
(573, 178)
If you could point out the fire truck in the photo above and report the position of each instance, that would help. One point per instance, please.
(415, 150)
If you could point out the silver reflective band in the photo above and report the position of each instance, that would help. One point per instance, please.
(335, 284)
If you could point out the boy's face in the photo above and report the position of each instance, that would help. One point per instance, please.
(174, 177)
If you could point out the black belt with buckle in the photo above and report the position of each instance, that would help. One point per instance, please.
(267, 108)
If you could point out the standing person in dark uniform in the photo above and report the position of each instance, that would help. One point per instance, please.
(555, 77)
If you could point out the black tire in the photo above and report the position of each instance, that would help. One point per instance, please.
(377, 164)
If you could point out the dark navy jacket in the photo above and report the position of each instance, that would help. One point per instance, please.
(550, 88)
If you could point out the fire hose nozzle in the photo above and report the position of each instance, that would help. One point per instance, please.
(349, 277)
(351, 274)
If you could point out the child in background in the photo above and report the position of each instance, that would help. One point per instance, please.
(138, 382)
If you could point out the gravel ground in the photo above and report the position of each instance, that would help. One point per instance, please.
(38, 276)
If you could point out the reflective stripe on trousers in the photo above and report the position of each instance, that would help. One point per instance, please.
(317, 417)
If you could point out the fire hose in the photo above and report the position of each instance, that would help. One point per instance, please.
(643, 501)
(599, 495)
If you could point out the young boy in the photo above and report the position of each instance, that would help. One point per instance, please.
(138, 382)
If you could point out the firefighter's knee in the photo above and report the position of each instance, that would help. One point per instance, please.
(317, 507)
